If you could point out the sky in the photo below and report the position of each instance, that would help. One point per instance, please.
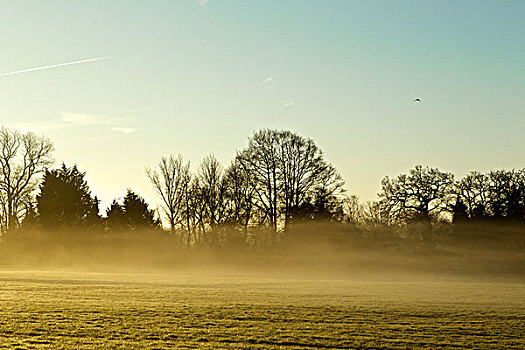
(194, 77)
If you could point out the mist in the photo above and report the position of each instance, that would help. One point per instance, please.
(313, 250)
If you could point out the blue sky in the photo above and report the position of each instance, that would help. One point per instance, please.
(197, 77)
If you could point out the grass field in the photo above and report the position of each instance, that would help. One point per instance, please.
(64, 309)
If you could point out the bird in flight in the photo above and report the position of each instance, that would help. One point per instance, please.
(417, 100)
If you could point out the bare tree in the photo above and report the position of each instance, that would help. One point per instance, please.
(354, 211)
(507, 194)
(499, 194)
(473, 190)
(240, 195)
(419, 195)
(374, 215)
(171, 182)
(213, 190)
(304, 172)
(195, 213)
(23, 157)
(285, 170)
(259, 161)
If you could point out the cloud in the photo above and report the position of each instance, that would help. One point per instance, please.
(55, 66)
(202, 3)
(126, 131)
(76, 120)
(267, 81)
(83, 119)
(287, 103)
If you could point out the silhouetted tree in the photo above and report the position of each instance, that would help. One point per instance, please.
(116, 219)
(195, 212)
(423, 193)
(473, 191)
(137, 212)
(240, 195)
(286, 169)
(65, 200)
(171, 182)
(30, 220)
(459, 211)
(354, 210)
(374, 216)
(260, 161)
(507, 195)
(222, 203)
(496, 196)
(320, 209)
(23, 157)
(305, 175)
(516, 197)
(212, 187)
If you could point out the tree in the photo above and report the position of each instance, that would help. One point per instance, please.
(23, 157)
(319, 209)
(239, 194)
(459, 211)
(305, 175)
(374, 217)
(213, 188)
(259, 161)
(286, 170)
(423, 193)
(171, 182)
(137, 212)
(30, 220)
(65, 200)
(498, 195)
(209, 209)
(516, 197)
(507, 195)
(473, 191)
(116, 219)
(133, 214)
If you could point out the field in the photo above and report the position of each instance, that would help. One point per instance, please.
(66, 309)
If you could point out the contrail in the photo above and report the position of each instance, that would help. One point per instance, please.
(56, 65)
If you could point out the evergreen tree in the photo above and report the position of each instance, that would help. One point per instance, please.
(65, 200)
(138, 215)
(116, 217)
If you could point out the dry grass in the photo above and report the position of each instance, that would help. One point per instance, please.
(63, 309)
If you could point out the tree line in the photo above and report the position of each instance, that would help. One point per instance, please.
(278, 180)
(428, 194)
